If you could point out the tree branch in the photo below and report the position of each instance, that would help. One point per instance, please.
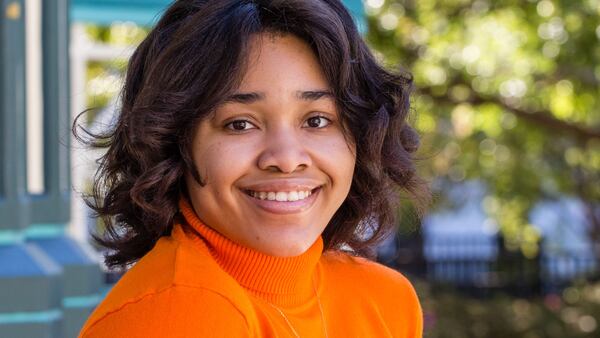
(583, 74)
(543, 118)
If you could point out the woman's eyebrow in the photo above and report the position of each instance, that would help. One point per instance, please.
(246, 98)
(313, 95)
(305, 95)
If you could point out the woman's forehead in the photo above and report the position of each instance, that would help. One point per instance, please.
(284, 59)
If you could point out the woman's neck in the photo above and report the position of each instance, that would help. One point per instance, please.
(280, 280)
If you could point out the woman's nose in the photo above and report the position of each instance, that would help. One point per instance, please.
(284, 152)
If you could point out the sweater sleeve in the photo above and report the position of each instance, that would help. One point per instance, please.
(417, 313)
(408, 307)
(176, 312)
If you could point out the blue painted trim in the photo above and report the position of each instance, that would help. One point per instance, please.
(35, 231)
(147, 13)
(10, 237)
(82, 301)
(30, 317)
(144, 16)
(46, 263)
(357, 9)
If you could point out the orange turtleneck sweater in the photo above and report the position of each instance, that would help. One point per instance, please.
(198, 283)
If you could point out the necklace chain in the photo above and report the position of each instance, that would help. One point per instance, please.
(286, 320)
(320, 310)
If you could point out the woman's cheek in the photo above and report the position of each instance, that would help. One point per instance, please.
(230, 157)
(336, 157)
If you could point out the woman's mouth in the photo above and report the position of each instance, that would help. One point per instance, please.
(283, 202)
(281, 196)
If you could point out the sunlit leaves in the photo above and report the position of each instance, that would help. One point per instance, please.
(104, 79)
(118, 33)
(483, 70)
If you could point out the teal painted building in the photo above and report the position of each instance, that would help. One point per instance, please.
(49, 282)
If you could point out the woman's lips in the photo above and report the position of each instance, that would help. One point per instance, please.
(287, 207)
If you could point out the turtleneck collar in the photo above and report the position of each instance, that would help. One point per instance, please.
(280, 280)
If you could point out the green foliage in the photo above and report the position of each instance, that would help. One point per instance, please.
(104, 82)
(104, 78)
(508, 92)
(118, 33)
(574, 313)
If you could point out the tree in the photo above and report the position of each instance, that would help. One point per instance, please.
(507, 92)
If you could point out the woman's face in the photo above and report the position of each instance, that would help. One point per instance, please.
(273, 157)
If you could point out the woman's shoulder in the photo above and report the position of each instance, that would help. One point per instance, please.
(367, 281)
(178, 311)
(173, 280)
(374, 290)
(344, 265)
(174, 261)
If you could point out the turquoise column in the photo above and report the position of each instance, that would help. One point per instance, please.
(29, 280)
(49, 283)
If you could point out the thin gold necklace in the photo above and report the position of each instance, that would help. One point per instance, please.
(292, 326)
(286, 320)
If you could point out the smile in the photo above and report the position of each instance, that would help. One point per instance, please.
(283, 202)
(281, 196)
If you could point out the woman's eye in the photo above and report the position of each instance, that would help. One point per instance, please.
(239, 125)
(318, 122)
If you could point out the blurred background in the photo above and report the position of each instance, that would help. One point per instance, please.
(507, 100)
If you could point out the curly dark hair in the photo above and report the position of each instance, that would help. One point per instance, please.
(190, 62)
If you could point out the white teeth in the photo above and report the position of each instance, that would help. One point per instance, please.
(281, 196)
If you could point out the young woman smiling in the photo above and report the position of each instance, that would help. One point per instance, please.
(259, 151)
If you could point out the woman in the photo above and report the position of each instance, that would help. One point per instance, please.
(259, 151)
